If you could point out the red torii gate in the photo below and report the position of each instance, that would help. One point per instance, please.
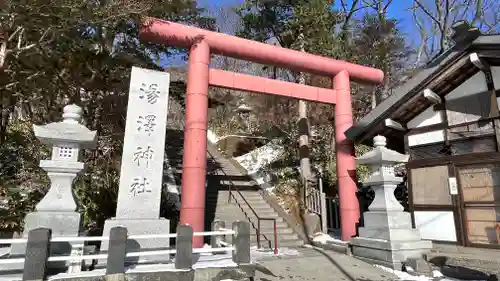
(201, 44)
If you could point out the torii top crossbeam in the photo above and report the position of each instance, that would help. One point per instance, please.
(174, 34)
(201, 44)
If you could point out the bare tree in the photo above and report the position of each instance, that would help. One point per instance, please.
(434, 19)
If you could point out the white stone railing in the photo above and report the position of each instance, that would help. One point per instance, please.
(39, 240)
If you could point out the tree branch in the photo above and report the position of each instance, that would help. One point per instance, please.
(426, 11)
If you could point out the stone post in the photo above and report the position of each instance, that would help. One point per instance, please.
(58, 208)
(37, 254)
(215, 240)
(387, 237)
(141, 173)
(241, 242)
(184, 247)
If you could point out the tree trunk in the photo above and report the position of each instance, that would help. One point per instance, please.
(305, 165)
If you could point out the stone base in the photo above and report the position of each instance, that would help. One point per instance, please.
(388, 253)
(63, 224)
(391, 265)
(137, 227)
(390, 234)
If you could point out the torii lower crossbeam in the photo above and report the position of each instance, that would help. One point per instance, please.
(202, 44)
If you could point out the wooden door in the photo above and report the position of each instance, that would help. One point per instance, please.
(480, 201)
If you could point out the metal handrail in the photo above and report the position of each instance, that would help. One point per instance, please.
(231, 184)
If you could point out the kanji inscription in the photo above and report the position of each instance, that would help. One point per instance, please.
(142, 156)
(149, 92)
(140, 185)
(146, 123)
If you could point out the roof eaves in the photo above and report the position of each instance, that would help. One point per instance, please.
(490, 39)
(401, 94)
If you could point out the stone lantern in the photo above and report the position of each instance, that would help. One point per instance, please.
(387, 237)
(58, 208)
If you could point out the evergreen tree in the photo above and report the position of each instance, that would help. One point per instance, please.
(79, 51)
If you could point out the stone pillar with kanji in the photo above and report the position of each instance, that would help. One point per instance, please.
(58, 209)
(141, 174)
(387, 237)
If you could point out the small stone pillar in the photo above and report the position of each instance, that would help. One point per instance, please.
(387, 237)
(57, 209)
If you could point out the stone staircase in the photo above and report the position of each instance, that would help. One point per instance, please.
(247, 203)
(222, 174)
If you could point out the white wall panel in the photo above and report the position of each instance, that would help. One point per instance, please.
(436, 225)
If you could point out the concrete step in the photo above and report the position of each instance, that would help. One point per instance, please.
(264, 225)
(265, 222)
(291, 243)
(251, 198)
(247, 192)
(265, 218)
(237, 182)
(280, 231)
(250, 201)
(230, 172)
(267, 214)
(281, 244)
(270, 235)
(225, 196)
(270, 229)
(258, 207)
(254, 202)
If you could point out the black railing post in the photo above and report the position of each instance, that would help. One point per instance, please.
(37, 254)
(275, 237)
(117, 254)
(184, 247)
(258, 232)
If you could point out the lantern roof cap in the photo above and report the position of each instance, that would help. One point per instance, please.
(381, 154)
(68, 131)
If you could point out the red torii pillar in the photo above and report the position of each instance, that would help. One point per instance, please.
(201, 44)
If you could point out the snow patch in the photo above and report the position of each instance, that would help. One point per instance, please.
(324, 239)
(258, 158)
(212, 137)
(256, 253)
(206, 246)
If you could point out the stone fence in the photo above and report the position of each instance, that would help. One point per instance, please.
(37, 258)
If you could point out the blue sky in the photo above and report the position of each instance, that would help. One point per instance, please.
(398, 9)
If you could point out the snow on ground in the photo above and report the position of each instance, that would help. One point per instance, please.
(257, 254)
(324, 239)
(436, 275)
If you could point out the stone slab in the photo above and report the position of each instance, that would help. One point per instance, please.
(137, 227)
(187, 275)
(391, 265)
(387, 219)
(388, 245)
(421, 266)
(63, 224)
(66, 224)
(141, 174)
(394, 234)
(389, 252)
